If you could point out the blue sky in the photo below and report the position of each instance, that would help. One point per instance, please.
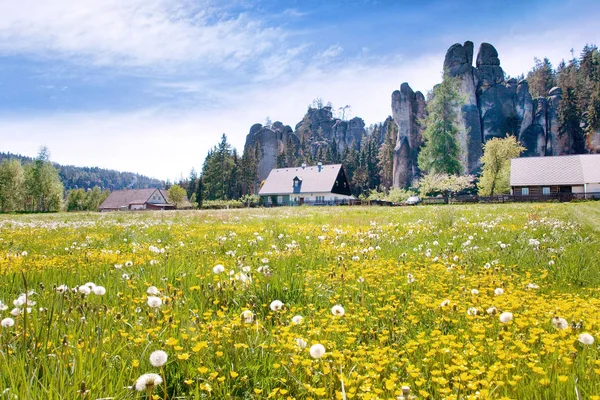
(149, 85)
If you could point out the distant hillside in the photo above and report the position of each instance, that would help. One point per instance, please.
(86, 177)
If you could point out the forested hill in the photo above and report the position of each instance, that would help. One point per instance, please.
(87, 177)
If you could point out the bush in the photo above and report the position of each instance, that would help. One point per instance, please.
(398, 195)
(250, 200)
(221, 204)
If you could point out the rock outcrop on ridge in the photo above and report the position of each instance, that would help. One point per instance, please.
(318, 131)
(492, 107)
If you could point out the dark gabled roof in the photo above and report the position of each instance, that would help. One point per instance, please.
(555, 170)
(123, 198)
(281, 180)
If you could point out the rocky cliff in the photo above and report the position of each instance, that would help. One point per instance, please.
(319, 135)
(492, 107)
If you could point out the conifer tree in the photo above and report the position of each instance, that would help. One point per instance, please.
(440, 150)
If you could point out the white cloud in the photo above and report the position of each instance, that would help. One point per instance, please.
(332, 51)
(133, 32)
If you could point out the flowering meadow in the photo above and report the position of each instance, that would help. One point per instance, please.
(449, 302)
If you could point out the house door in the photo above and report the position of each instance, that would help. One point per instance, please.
(564, 193)
(301, 200)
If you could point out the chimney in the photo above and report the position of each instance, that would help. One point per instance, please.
(303, 165)
(320, 165)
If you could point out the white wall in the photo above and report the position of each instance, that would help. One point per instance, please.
(577, 189)
(313, 196)
(593, 188)
(138, 207)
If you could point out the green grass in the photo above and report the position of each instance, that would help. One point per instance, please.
(394, 332)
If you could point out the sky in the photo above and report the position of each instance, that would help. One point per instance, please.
(149, 86)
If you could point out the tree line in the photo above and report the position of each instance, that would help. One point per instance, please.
(36, 186)
(87, 178)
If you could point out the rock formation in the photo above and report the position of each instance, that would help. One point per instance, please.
(408, 109)
(459, 63)
(492, 107)
(318, 130)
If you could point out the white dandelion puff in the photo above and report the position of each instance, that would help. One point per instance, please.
(217, 269)
(158, 358)
(7, 322)
(147, 382)
(506, 317)
(297, 319)
(85, 290)
(99, 290)
(153, 291)
(560, 323)
(276, 305)
(154, 301)
(247, 316)
(318, 350)
(338, 310)
(586, 339)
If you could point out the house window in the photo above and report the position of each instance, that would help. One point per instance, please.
(525, 191)
(545, 190)
(279, 199)
(320, 199)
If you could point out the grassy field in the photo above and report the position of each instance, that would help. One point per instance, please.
(455, 302)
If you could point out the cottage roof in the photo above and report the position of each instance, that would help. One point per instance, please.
(185, 203)
(555, 170)
(281, 180)
(123, 198)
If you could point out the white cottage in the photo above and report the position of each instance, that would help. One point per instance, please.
(316, 185)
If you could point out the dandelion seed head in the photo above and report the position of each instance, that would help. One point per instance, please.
(506, 317)
(154, 301)
(317, 350)
(276, 305)
(147, 382)
(586, 338)
(158, 358)
(338, 310)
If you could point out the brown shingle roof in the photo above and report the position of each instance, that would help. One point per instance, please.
(123, 198)
(555, 170)
(281, 180)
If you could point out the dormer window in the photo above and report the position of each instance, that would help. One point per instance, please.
(297, 184)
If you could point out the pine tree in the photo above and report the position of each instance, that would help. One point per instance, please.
(200, 192)
(439, 153)
(249, 169)
(193, 181)
(541, 78)
(569, 120)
